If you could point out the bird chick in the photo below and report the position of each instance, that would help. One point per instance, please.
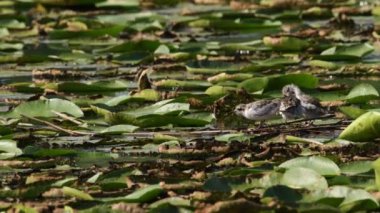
(311, 107)
(259, 110)
(290, 108)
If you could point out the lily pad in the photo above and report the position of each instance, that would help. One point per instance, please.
(364, 128)
(305, 178)
(46, 108)
(322, 165)
(350, 52)
(362, 93)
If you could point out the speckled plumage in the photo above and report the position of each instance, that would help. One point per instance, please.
(259, 110)
(310, 106)
(290, 108)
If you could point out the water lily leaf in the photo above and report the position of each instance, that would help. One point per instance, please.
(321, 165)
(130, 4)
(76, 193)
(362, 93)
(9, 149)
(90, 158)
(324, 64)
(174, 201)
(272, 63)
(351, 52)
(115, 179)
(241, 137)
(303, 80)
(356, 167)
(24, 208)
(160, 108)
(133, 58)
(145, 194)
(98, 86)
(364, 128)
(376, 168)
(12, 24)
(346, 198)
(358, 200)
(285, 43)
(311, 180)
(46, 108)
(230, 25)
(171, 83)
(119, 129)
(65, 2)
(219, 91)
(144, 95)
(212, 67)
(38, 152)
(352, 112)
(131, 46)
(91, 33)
(254, 84)
(10, 46)
(229, 77)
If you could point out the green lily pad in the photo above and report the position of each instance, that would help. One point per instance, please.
(76, 193)
(299, 177)
(46, 108)
(364, 128)
(350, 52)
(321, 165)
(9, 149)
(362, 93)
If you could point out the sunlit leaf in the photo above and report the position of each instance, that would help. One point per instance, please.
(46, 108)
(9, 149)
(364, 128)
(311, 180)
(76, 193)
(321, 165)
(362, 93)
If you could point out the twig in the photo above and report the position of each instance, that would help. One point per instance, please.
(66, 117)
(70, 132)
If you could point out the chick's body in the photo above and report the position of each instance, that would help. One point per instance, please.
(290, 108)
(259, 110)
(310, 106)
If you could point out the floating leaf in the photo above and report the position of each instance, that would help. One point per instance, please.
(170, 83)
(254, 84)
(303, 80)
(211, 67)
(364, 128)
(241, 137)
(9, 149)
(119, 129)
(351, 52)
(356, 167)
(229, 77)
(219, 90)
(76, 193)
(321, 165)
(99, 86)
(46, 108)
(300, 177)
(145, 194)
(362, 93)
(376, 167)
(352, 112)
